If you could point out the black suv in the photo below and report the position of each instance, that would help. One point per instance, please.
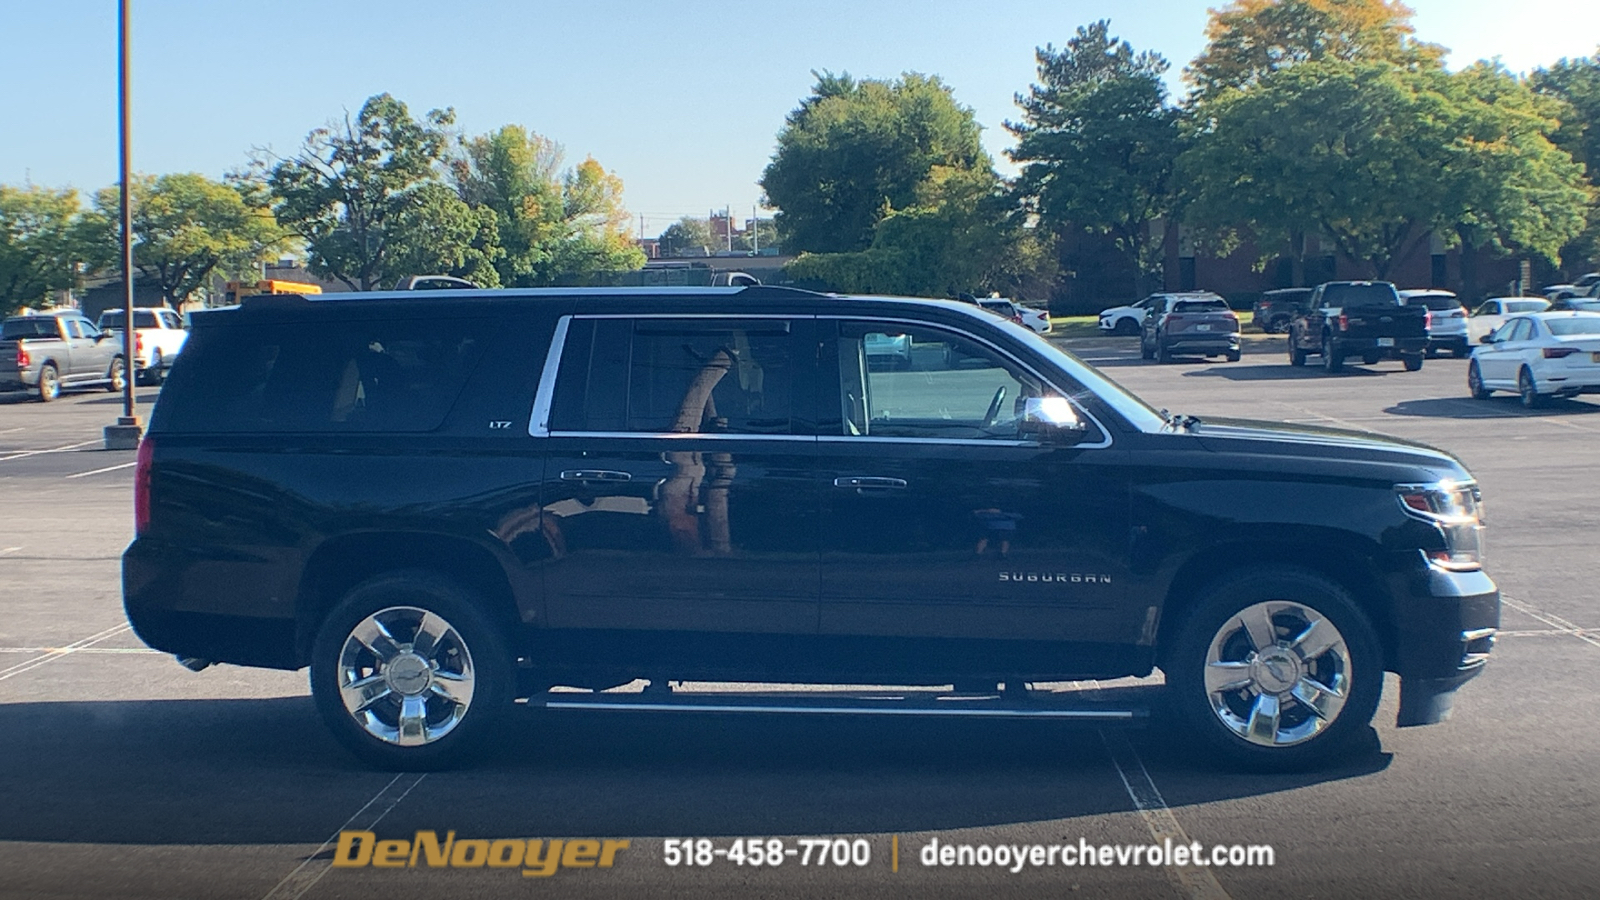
(443, 502)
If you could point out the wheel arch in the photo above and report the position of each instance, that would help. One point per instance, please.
(1344, 566)
(341, 563)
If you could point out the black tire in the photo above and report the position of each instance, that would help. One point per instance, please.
(1528, 390)
(1145, 351)
(1412, 362)
(49, 387)
(1460, 352)
(1233, 355)
(1287, 599)
(1126, 327)
(470, 642)
(1369, 360)
(1475, 386)
(1163, 354)
(117, 375)
(157, 372)
(1297, 357)
(1332, 360)
(1278, 325)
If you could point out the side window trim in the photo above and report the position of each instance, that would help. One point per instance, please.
(1105, 439)
(539, 422)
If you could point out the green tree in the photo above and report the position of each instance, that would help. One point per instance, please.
(1377, 157)
(39, 250)
(355, 188)
(855, 149)
(688, 236)
(553, 224)
(1249, 39)
(1576, 84)
(1097, 143)
(185, 228)
(962, 233)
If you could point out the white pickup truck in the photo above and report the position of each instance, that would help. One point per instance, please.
(158, 337)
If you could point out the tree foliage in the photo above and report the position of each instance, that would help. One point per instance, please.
(854, 150)
(1375, 157)
(1575, 83)
(687, 236)
(185, 228)
(358, 192)
(1097, 142)
(1249, 39)
(39, 249)
(961, 233)
(552, 223)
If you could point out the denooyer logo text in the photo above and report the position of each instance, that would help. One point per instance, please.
(537, 857)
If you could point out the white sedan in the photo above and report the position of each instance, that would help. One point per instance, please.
(1492, 313)
(1542, 355)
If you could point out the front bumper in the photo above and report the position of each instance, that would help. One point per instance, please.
(1444, 629)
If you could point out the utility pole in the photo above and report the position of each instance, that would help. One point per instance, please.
(755, 230)
(727, 214)
(126, 433)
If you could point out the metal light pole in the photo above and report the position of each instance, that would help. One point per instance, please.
(125, 434)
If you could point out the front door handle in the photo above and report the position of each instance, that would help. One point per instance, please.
(868, 483)
(606, 475)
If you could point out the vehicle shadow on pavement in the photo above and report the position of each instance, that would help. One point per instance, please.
(250, 771)
(1493, 408)
(1282, 372)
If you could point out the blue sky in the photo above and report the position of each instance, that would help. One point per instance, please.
(682, 101)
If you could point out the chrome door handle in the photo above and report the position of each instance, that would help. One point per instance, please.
(868, 482)
(595, 475)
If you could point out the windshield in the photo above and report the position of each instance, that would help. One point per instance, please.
(36, 327)
(142, 318)
(1527, 306)
(1573, 326)
(1375, 293)
(1435, 302)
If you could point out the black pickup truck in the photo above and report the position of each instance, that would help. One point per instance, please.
(1363, 320)
(444, 501)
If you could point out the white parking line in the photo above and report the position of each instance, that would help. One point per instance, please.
(1561, 625)
(106, 469)
(316, 865)
(51, 450)
(1196, 882)
(29, 665)
(11, 430)
(111, 650)
(9, 550)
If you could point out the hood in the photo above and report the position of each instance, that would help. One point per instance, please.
(1295, 440)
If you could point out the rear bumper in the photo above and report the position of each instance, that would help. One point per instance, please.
(1371, 347)
(1226, 342)
(1456, 342)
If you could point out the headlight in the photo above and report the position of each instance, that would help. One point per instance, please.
(1456, 509)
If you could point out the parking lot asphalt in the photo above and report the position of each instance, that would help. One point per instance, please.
(127, 776)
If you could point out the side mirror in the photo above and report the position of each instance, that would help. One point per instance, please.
(1052, 420)
(1486, 338)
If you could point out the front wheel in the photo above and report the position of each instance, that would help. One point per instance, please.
(1126, 326)
(410, 673)
(1475, 382)
(1276, 669)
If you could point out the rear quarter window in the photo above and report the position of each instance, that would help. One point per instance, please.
(341, 376)
(1435, 302)
(1360, 295)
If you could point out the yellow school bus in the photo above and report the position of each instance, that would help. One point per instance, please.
(236, 290)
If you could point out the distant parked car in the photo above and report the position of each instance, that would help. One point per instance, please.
(1036, 319)
(158, 336)
(1492, 313)
(1128, 319)
(1447, 329)
(1275, 309)
(887, 351)
(1582, 285)
(56, 351)
(1539, 356)
(1576, 304)
(1190, 324)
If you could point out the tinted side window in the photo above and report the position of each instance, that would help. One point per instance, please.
(658, 376)
(398, 376)
(1376, 294)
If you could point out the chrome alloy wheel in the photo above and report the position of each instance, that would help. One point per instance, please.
(1278, 673)
(405, 676)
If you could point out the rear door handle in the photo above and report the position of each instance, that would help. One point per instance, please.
(868, 482)
(595, 475)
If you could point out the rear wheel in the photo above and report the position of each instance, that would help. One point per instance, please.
(1145, 350)
(1276, 668)
(1163, 354)
(410, 673)
(1412, 362)
(1278, 325)
(1297, 357)
(1475, 382)
(117, 376)
(1233, 356)
(1332, 361)
(49, 383)
(1528, 390)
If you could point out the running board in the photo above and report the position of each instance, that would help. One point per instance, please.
(768, 704)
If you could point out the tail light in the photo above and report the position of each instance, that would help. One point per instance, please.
(138, 343)
(1427, 319)
(141, 485)
(1559, 352)
(23, 359)
(1344, 322)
